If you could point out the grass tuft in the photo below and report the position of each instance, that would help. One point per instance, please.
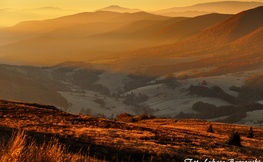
(19, 149)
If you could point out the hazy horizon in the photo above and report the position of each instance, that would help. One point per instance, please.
(91, 6)
(15, 11)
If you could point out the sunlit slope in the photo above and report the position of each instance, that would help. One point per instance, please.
(47, 50)
(221, 34)
(186, 28)
(247, 45)
(241, 55)
(251, 42)
(231, 29)
(155, 140)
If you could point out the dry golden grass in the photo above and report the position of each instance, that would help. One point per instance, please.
(150, 139)
(20, 149)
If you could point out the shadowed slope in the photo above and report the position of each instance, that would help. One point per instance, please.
(52, 24)
(77, 25)
(51, 50)
(84, 30)
(139, 29)
(20, 89)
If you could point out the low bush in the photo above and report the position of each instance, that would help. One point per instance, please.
(210, 129)
(250, 133)
(234, 138)
(125, 117)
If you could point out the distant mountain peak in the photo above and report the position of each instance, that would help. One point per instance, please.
(114, 6)
(48, 8)
(117, 8)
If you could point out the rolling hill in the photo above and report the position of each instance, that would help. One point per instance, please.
(71, 25)
(86, 23)
(223, 33)
(231, 29)
(52, 24)
(138, 29)
(251, 42)
(44, 41)
(224, 7)
(85, 30)
(184, 29)
(132, 36)
(13, 16)
(161, 31)
(82, 18)
(148, 139)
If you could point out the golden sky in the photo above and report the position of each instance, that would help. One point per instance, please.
(15, 11)
(90, 5)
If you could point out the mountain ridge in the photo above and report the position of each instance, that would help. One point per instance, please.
(191, 25)
(226, 7)
(116, 8)
(225, 32)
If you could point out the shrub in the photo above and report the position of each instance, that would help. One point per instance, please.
(125, 117)
(204, 82)
(100, 115)
(234, 138)
(203, 107)
(170, 80)
(210, 129)
(133, 99)
(250, 133)
(100, 101)
(143, 116)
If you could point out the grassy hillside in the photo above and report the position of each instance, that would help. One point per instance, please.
(184, 29)
(148, 140)
(223, 33)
